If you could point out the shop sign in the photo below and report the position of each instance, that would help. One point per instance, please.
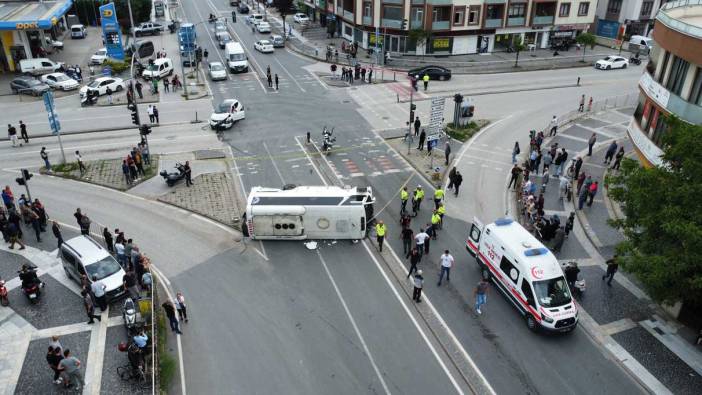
(654, 90)
(440, 43)
(26, 25)
(649, 150)
(373, 38)
(563, 33)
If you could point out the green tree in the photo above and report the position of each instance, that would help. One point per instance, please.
(663, 217)
(419, 36)
(586, 39)
(88, 11)
(517, 46)
(285, 7)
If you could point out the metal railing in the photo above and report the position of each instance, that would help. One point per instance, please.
(608, 103)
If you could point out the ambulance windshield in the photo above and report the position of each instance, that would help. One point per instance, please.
(553, 292)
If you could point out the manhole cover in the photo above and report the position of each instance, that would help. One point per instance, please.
(386, 117)
(346, 101)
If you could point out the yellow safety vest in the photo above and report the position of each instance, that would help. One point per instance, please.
(404, 195)
(380, 229)
(426, 78)
(435, 219)
(419, 194)
(441, 210)
(439, 194)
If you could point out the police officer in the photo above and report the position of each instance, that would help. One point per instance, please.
(441, 211)
(438, 196)
(418, 196)
(435, 222)
(380, 230)
(404, 196)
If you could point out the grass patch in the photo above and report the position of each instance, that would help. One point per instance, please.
(166, 362)
(65, 167)
(465, 132)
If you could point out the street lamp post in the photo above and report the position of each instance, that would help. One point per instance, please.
(131, 81)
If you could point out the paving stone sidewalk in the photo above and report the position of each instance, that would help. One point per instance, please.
(105, 172)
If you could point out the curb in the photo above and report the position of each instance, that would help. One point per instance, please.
(109, 129)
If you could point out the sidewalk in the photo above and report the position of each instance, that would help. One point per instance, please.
(622, 317)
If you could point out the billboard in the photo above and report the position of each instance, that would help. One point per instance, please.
(111, 32)
(608, 29)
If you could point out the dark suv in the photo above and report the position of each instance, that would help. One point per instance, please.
(29, 86)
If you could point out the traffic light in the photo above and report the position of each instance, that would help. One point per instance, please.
(198, 54)
(20, 180)
(458, 98)
(135, 115)
(404, 25)
(27, 175)
(144, 130)
(413, 107)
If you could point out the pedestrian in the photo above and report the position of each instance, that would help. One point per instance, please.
(180, 306)
(45, 157)
(480, 293)
(438, 196)
(270, 80)
(128, 247)
(457, 181)
(420, 239)
(108, 92)
(12, 134)
(558, 239)
(570, 222)
(451, 177)
(138, 87)
(447, 152)
(98, 289)
(150, 111)
(618, 159)
(70, 366)
(129, 281)
(89, 307)
(611, 150)
(125, 171)
(171, 314)
(581, 107)
(561, 161)
(446, 264)
(422, 137)
(415, 257)
(188, 174)
(553, 126)
(79, 159)
(589, 105)
(592, 191)
(363, 74)
(53, 359)
(156, 115)
(23, 132)
(7, 197)
(418, 285)
(578, 166)
(146, 280)
(548, 159)
(417, 125)
(276, 81)
(165, 85)
(425, 79)
(515, 152)
(590, 143)
(380, 230)
(515, 172)
(407, 236)
(417, 199)
(36, 226)
(56, 229)
(119, 251)
(612, 268)
(582, 197)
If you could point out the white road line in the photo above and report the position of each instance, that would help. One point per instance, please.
(316, 77)
(180, 348)
(289, 75)
(353, 323)
(275, 166)
(316, 169)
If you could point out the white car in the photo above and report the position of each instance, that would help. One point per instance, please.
(263, 27)
(53, 43)
(99, 57)
(60, 81)
(227, 114)
(220, 27)
(612, 62)
(101, 84)
(264, 46)
(301, 18)
(217, 71)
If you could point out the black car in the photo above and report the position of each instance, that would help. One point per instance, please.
(434, 72)
(28, 86)
(243, 8)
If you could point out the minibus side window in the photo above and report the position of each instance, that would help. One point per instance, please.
(508, 268)
(526, 290)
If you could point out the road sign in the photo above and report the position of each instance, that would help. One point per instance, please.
(436, 115)
(49, 100)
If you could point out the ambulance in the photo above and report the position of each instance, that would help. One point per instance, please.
(526, 272)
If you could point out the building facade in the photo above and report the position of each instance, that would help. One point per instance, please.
(455, 27)
(672, 81)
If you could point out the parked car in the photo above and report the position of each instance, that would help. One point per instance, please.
(223, 38)
(243, 8)
(434, 72)
(277, 40)
(264, 46)
(611, 62)
(53, 43)
(301, 18)
(227, 114)
(28, 86)
(99, 57)
(233, 3)
(39, 66)
(60, 81)
(217, 71)
(254, 19)
(78, 31)
(100, 85)
(82, 255)
(263, 27)
(148, 28)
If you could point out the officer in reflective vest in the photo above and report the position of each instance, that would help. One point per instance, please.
(438, 196)
(418, 196)
(380, 229)
(435, 222)
(441, 211)
(404, 196)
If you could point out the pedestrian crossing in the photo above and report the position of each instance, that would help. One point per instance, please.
(369, 157)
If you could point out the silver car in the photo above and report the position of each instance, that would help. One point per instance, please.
(277, 40)
(217, 71)
(28, 86)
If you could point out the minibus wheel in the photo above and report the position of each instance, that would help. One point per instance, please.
(531, 322)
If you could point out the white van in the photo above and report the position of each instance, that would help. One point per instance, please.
(82, 255)
(161, 67)
(526, 272)
(643, 44)
(39, 66)
(237, 62)
(78, 31)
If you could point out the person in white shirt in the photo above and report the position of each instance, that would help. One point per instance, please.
(121, 258)
(98, 288)
(420, 238)
(553, 126)
(79, 159)
(446, 264)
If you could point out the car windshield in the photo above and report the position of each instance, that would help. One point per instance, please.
(103, 268)
(608, 58)
(216, 67)
(553, 292)
(223, 108)
(61, 78)
(264, 42)
(100, 53)
(94, 84)
(237, 57)
(33, 82)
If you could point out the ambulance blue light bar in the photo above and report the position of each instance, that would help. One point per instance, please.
(503, 221)
(536, 251)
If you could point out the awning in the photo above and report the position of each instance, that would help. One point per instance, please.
(32, 15)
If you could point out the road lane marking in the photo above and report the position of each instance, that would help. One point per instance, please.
(290, 75)
(316, 169)
(353, 323)
(275, 166)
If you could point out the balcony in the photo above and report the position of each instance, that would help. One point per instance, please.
(416, 24)
(368, 20)
(520, 21)
(439, 2)
(417, 2)
(391, 23)
(392, 2)
(493, 23)
(440, 25)
(542, 20)
(495, 2)
(348, 15)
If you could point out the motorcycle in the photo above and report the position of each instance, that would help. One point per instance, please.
(31, 285)
(172, 178)
(88, 99)
(328, 140)
(129, 314)
(570, 269)
(635, 60)
(4, 300)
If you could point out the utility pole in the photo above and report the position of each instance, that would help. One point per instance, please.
(135, 53)
(409, 127)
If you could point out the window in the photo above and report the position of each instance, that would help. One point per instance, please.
(458, 16)
(614, 6)
(474, 15)
(516, 11)
(659, 129)
(392, 12)
(416, 17)
(583, 9)
(508, 268)
(696, 93)
(367, 9)
(493, 12)
(526, 290)
(646, 8)
(564, 11)
(68, 257)
(441, 14)
(664, 66)
(678, 73)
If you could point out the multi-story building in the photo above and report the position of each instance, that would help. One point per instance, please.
(636, 15)
(672, 81)
(455, 27)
